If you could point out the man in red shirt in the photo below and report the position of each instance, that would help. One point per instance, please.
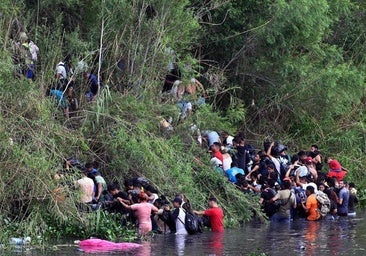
(215, 151)
(216, 215)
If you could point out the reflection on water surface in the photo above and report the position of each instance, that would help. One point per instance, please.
(345, 236)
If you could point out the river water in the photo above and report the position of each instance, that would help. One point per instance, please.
(344, 236)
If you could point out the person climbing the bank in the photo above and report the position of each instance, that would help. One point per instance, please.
(94, 86)
(143, 211)
(215, 213)
(210, 137)
(24, 57)
(336, 170)
(151, 192)
(86, 186)
(61, 100)
(62, 73)
(101, 186)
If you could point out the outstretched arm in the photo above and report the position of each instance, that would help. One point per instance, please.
(199, 212)
(123, 203)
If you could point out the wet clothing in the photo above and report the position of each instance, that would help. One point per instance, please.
(287, 200)
(312, 205)
(179, 216)
(342, 209)
(216, 218)
(143, 213)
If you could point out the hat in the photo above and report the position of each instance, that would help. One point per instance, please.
(177, 200)
(309, 159)
(23, 36)
(334, 165)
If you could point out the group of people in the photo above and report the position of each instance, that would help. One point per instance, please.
(289, 186)
(138, 202)
(63, 90)
(299, 186)
(27, 63)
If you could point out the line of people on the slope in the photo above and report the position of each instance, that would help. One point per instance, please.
(289, 186)
(63, 89)
(137, 203)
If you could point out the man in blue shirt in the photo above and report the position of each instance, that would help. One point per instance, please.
(343, 198)
(93, 82)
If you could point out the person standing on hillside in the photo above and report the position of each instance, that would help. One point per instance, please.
(94, 85)
(86, 186)
(25, 57)
(215, 213)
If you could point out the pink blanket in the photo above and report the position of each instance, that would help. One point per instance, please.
(99, 245)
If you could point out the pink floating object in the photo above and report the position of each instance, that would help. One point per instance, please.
(99, 245)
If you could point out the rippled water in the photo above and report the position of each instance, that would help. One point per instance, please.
(345, 236)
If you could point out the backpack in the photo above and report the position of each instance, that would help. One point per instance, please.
(323, 203)
(192, 223)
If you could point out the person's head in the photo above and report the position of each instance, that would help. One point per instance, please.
(286, 184)
(314, 148)
(352, 185)
(83, 171)
(215, 147)
(23, 37)
(310, 190)
(295, 158)
(271, 167)
(332, 182)
(302, 156)
(321, 187)
(341, 183)
(177, 202)
(158, 203)
(262, 154)
(244, 184)
(212, 202)
(257, 158)
(89, 166)
(149, 189)
(114, 189)
(129, 184)
(142, 197)
(224, 134)
(183, 197)
(136, 184)
(308, 160)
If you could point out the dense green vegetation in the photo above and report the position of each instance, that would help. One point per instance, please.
(285, 70)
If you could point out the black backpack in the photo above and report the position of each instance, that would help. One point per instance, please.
(193, 223)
